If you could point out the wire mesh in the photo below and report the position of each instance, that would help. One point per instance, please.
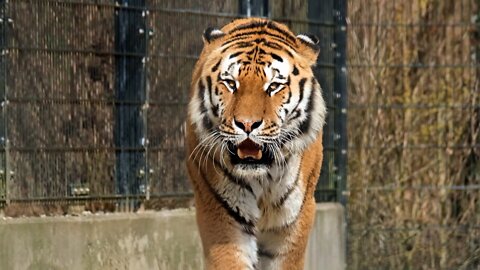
(413, 135)
(94, 95)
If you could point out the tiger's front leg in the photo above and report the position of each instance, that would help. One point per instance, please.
(284, 248)
(285, 226)
(227, 233)
(226, 247)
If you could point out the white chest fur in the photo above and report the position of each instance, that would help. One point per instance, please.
(282, 196)
(270, 202)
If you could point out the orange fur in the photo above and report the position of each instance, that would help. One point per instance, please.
(254, 81)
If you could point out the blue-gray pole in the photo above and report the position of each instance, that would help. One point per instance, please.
(130, 46)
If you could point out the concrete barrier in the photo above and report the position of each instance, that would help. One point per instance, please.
(326, 246)
(149, 240)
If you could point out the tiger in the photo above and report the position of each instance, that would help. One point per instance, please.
(254, 144)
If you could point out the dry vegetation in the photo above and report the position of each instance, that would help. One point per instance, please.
(414, 124)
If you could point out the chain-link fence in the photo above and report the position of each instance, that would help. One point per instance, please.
(413, 129)
(94, 96)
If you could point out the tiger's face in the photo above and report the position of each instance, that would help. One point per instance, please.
(255, 100)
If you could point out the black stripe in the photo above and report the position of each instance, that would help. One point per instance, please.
(238, 38)
(210, 94)
(257, 70)
(248, 25)
(282, 228)
(289, 36)
(307, 191)
(295, 70)
(308, 110)
(209, 87)
(216, 65)
(228, 68)
(252, 34)
(264, 75)
(235, 44)
(270, 127)
(242, 45)
(270, 44)
(268, 24)
(234, 179)
(301, 86)
(252, 52)
(276, 57)
(266, 254)
(235, 54)
(203, 109)
(247, 226)
(201, 94)
(296, 115)
(287, 226)
(215, 110)
(288, 192)
(281, 40)
(207, 122)
(275, 46)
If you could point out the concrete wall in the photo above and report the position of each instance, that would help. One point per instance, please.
(150, 240)
(326, 246)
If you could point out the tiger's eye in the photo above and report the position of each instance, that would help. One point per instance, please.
(274, 86)
(230, 84)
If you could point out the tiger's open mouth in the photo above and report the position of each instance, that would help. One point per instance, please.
(249, 153)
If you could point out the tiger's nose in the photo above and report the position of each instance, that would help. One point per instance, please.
(247, 125)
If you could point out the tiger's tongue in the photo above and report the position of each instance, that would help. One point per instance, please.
(248, 148)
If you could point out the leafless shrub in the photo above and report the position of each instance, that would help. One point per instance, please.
(413, 133)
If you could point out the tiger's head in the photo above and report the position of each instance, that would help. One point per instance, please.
(254, 98)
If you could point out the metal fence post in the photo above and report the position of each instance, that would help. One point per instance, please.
(340, 104)
(129, 132)
(3, 96)
(340, 101)
(254, 8)
(322, 13)
(148, 34)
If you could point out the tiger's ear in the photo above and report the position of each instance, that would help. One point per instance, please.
(210, 34)
(310, 43)
(308, 38)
